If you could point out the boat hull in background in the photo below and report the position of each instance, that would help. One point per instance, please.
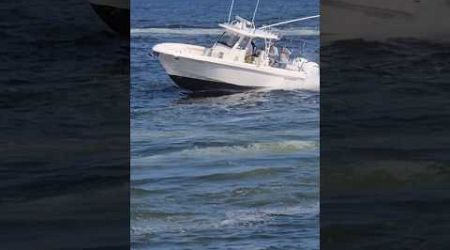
(115, 13)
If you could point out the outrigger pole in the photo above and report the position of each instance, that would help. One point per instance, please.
(231, 11)
(254, 12)
(289, 21)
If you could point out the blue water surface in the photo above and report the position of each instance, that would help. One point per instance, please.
(229, 172)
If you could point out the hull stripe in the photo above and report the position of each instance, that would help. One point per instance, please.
(205, 85)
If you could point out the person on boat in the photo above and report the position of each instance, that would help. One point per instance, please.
(284, 56)
(254, 48)
(273, 54)
(250, 52)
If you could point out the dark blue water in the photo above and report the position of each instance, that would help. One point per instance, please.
(384, 145)
(64, 128)
(229, 172)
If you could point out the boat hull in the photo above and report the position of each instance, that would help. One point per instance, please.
(205, 73)
(115, 13)
(197, 85)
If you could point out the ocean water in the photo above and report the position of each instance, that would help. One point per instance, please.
(226, 172)
(384, 144)
(64, 161)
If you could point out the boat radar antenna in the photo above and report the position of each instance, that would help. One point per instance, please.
(254, 12)
(231, 11)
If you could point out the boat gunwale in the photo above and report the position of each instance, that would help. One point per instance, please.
(260, 69)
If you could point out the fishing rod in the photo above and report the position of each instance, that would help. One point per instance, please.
(288, 21)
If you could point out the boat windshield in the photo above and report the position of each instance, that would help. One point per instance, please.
(228, 39)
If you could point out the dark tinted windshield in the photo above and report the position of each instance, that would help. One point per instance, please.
(228, 39)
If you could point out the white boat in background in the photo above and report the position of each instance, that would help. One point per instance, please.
(115, 13)
(234, 62)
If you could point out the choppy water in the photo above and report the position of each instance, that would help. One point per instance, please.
(229, 172)
(64, 153)
(384, 145)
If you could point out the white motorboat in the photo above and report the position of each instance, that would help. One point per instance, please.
(234, 62)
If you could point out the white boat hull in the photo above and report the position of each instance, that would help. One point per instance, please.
(198, 72)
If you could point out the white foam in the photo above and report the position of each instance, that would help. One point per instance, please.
(300, 32)
(254, 148)
(249, 216)
(249, 150)
(142, 32)
(232, 218)
(174, 31)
